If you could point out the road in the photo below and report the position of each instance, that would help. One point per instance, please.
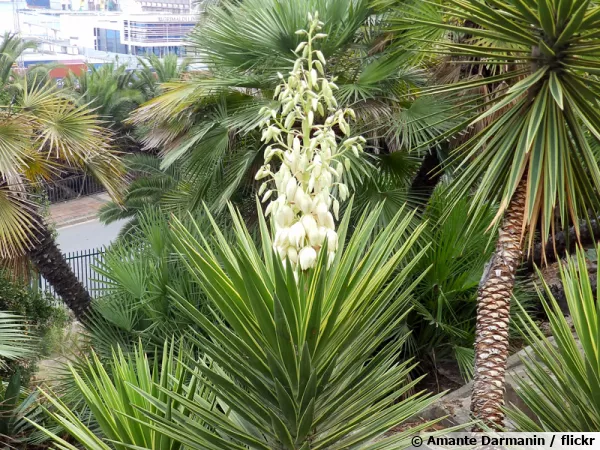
(87, 235)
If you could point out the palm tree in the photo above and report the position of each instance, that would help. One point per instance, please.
(41, 133)
(110, 89)
(536, 60)
(157, 70)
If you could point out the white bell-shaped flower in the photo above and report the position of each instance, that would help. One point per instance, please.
(284, 216)
(297, 235)
(307, 258)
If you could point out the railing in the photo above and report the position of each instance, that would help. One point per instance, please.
(71, 188)
(82, 263)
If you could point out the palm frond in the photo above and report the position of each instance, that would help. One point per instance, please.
(540, 102)
(16, 339)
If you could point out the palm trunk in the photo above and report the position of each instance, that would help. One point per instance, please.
(50, 262)
(493, 314)
(427, 177)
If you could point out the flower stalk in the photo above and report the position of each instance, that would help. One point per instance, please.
(305, 191)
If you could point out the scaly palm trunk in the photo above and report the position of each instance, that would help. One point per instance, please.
(493, 314)
(52, 265)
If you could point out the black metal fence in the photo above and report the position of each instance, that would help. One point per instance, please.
(82, 263)
(71, 188)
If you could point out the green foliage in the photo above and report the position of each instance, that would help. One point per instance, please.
(126, 400)
(207, 124)
(109, 89)
(443, 321)
(15, 405)
(11, 47)
(264, 35)
(562, 384)
(44, 318)
(151, 187)
(157, 70)
(42, 132)
(141, 274)
(535, 70)
(309, 358)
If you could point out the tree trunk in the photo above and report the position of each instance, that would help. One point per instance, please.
(52, 265)
(493, 314)
(564, 243)
(427, 177)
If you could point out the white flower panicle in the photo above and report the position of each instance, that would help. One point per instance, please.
(304, 194)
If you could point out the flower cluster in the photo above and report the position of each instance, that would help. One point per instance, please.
(306, 190)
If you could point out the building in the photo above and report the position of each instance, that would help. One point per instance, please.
(111, 32)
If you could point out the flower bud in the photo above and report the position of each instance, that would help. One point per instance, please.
(321, 57)
(329, 222)
(267, 196)
(330, 259)
(262, 188)
(343, 191)
(300, 47)
(332, 241)
(269, 209)
(290, 188)
(336, 208)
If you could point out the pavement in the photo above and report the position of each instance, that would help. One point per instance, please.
(88, 235)
(78, 225)
(77, 211)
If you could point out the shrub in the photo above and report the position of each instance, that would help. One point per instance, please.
(45, 318)
(135, 305)
(121, 396)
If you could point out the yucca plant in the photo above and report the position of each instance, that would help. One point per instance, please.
(311, 357)
(125, 398)
(562, 387)
(535, 63)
